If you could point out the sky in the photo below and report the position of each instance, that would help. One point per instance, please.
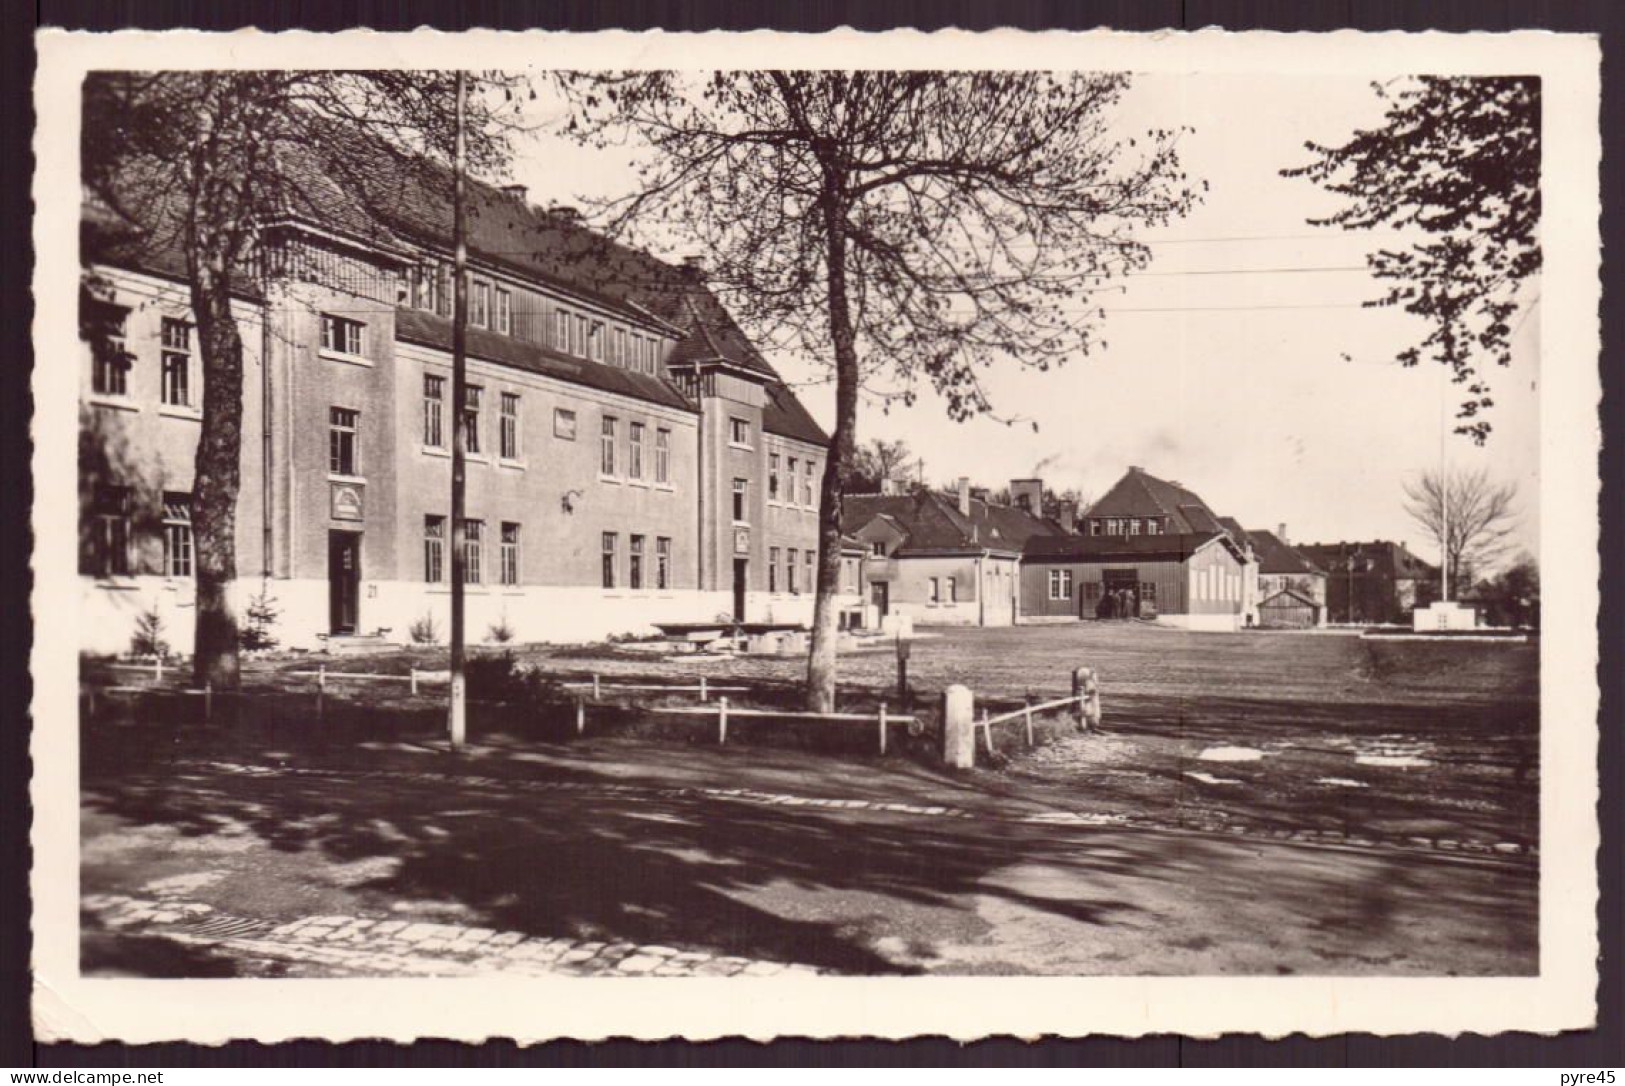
(1224, 366)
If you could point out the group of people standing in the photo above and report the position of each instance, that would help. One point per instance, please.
(1118, 603)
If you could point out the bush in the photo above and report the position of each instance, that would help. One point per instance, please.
(148, 638)
(258, 622)
(499, 631)
(424, 631)
(501, 677)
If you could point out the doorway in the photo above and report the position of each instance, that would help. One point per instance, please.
(343, 581)
(741, 582)
(880, 597)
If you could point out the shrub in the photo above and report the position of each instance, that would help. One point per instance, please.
(148, 639)
(501, 677)
(424, 631)
(258, 622)
(499, 631)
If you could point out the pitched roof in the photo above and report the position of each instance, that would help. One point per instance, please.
(1140, 494)
(429, 329)
(933, 523)
(1288, 593)
(1098, 548)
(1278, 557)
(1387, 558)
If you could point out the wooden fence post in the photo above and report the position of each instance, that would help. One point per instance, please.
(722, 720)
(987, 732)
(581, 717)
(414, 674)
(321, 693)
(158, 668)
(702, 687)
(1027, 712)
(208, 701)
(883, 727)
(595, 691)
(958, 727)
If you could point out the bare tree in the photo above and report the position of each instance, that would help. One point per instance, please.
(1468, 515)
(895, 226)
(878, 463)
(1456, 159)
(200, 163)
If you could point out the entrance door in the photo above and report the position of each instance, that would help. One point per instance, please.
(741, 576)
(880, 596)
(343, 581)
(1122, 589)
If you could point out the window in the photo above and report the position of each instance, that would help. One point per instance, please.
(111, 508)
(1094, 527)
(662, 455)
(442, 290)
(790, 486)
(1091, 591)
(177, 364)
(740, 486)
(772, 477)
(578, 336)
(606, 447)
(564, 423)
(1148, 592)
(509, 573)
(808, 558)
(772, 569)
(1153, 526)
(1134, 526)
(434, 549)
(434, 411)
(343, 441)
(807, 484)
(936, 591)
(739, 432)
(473, 551)
(471, 419)
(634, 352)
(634, 451)
(618, 355)
(953, 591)
(504, 312)
(479, 306)
(508, 437)
(877, 549)
(341, 335)
(849, 575)
(1060, 584)
(177, 535)
(663, 562)
(634, 562)
(110, 364)
(609, 559)
(790, 571)
(561, 330)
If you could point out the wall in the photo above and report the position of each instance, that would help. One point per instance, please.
(910, 577)
(1169, 577)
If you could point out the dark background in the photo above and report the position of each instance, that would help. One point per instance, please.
(1604, 1047)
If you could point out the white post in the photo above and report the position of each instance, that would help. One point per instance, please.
(702, 687)
(987, 732)
(595, 693)
(958, 727)
(722, 720)
(1028, 713)
(208, 701)
(414, 680)
(883, 727)
(158, 667)
(581, 717)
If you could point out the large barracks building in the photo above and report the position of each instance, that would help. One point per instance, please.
(632, 457)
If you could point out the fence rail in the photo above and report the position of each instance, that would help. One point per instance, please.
(882, 720)
(1024, 714)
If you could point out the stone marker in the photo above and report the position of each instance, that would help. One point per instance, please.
(958, 727)
(1086, 685)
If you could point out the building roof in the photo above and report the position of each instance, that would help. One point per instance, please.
(1106, 548)
(932, 523)
(1290, 594)
(1278, 557)
(1140, 494)
(432, 330)
(401, 203)
(1385, 557)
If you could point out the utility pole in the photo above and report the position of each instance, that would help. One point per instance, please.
(457, 722)
(1444, 491)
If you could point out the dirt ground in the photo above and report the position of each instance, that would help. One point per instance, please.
(1256, 803)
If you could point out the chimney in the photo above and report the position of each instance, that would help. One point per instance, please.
(694, 265)
(1069, 517)
(518, 192)
(964, 496)
(1028, 495)
(1280, 533)
(564, 213)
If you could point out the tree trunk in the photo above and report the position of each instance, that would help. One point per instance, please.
(821, 663)
(217, 472)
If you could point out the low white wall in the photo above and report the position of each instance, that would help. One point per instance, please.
(1203, 623)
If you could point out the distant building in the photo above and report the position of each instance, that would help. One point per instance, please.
(1147, 549)
(1291, 588)
(941, 559)
(1376, 583)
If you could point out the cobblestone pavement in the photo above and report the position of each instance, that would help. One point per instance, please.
(380, 947)
(1233, 827)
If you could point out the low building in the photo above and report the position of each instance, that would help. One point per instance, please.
(1291, 588)
(941, 560)
(1373, 583)
(1190, 579)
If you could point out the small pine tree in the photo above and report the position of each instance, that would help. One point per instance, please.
(259, 620)
(424, 631)
(148, 639)
(500, 632)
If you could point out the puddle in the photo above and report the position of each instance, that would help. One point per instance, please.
(1402, 761)
(1208, 778)
(1231, 754)
(1341, 782)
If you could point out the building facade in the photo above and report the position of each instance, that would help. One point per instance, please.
(632, 458)
(1373, 583)
(1291, 588)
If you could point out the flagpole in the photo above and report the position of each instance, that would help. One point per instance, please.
(458, 722)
